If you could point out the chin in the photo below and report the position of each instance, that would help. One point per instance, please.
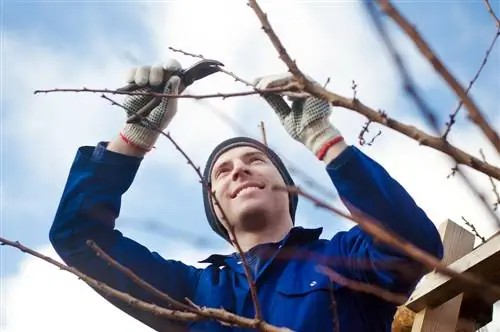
(254, 216)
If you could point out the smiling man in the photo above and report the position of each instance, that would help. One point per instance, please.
(241, 173)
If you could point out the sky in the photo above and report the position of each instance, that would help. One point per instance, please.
(51, 44)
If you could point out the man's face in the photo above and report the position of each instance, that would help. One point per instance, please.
(243, 178)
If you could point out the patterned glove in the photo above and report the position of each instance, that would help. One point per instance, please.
(157, 78)
(307, 119)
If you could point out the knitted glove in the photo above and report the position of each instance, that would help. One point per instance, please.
(306, 120)
(160, 79)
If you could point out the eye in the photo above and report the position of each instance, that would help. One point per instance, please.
(256, 159)
(221, 171)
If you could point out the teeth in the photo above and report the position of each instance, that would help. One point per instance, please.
(247, 189)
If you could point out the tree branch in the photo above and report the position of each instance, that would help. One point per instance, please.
(421, 103)
(492, 13)
(171, 95)
(246, 267)
(203, 314)
(373, 228)
(474, 113)
(460, 156)
(474, 79)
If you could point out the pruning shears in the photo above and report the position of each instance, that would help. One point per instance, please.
(188, 76)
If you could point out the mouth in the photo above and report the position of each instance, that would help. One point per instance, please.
(249, 186)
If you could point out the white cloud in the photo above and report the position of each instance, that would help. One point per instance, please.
(325, 39)
(48, 128)
(238, 41)
(54, 300)
(423, 172)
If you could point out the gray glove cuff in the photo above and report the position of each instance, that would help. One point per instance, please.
(140, 136)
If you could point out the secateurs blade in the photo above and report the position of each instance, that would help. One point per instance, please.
(188, 76)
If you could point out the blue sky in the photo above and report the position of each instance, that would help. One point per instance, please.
(53, 44)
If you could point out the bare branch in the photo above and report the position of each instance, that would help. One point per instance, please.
(246, 266)
(326, 82)
(283, 54)
(373, 228)
(363, 287)
(355, 105)
(333, 307)
(492, 13)
(105, 288)
(263, 132)
(203, 314)
(171, 95)
(222, 70)
(358, 286)
(148, 287)
(421, 103)
(199, 56)
(474, 79)
(364, 130)
(494, 188)
(473, 229)
(253, 290)
(474, 113)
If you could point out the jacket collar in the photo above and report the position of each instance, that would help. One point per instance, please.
(297, 235)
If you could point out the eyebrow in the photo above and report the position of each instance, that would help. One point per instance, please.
(245, 155)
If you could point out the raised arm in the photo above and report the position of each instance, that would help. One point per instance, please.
(88, 208)
(365, 187)
(369, 191)
(91, 201)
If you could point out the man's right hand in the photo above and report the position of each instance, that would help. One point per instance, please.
(141, 136)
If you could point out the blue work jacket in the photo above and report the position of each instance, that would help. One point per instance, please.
(291, 290)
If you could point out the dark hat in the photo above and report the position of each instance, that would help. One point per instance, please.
(225, 146)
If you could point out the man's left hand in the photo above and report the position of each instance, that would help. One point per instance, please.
(307, 120)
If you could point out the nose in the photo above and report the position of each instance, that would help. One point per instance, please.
(240, 170)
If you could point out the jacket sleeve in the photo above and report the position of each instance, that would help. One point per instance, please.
(88, 208)
(369, 191)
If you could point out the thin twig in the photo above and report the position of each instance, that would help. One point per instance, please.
(475, 115)
(420, 136)
(258, 315)
(263, 132)
(291, 166)
(199, 56)
(333, 308)
(363, 287)
(423, 107)
(246, 267)
(221, 69)
(105, 288)
(171, 95)
(207, 313)
(474, 230)
(381, 117)
(494, 188)
(382, 234)
(492, 13)
(471, 83)
(146, 286)
(282, 52)
(364, 130)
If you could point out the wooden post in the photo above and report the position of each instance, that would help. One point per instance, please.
(443, 303)
(457, 242)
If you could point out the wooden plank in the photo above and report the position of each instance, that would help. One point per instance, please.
(437, 288)
(457, 242)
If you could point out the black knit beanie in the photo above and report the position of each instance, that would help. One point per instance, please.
(225, 146)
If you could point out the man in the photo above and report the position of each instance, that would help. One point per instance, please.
(241, 173)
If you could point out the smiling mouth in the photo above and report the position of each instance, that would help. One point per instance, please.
(247, 189)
